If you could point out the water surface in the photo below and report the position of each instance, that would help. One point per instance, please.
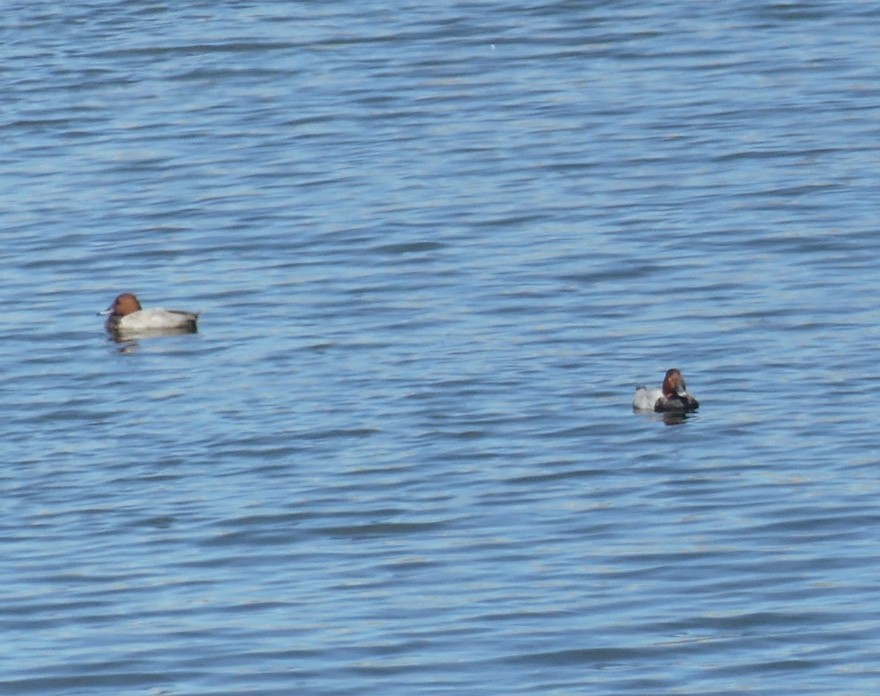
(435, 250)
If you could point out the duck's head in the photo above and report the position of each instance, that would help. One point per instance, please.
(126, 303)
(673, 384)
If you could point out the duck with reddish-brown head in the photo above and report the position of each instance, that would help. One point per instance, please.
(127, 319)
(672, 397)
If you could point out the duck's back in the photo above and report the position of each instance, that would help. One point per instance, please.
(157, 320)
(646, 399)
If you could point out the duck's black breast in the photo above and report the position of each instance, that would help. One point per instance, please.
(676, 404)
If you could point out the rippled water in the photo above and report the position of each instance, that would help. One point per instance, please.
(435, 250)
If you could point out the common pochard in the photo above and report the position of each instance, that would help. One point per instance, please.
(672, 397)
(127, 319)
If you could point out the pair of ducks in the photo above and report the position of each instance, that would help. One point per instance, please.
(127, 319)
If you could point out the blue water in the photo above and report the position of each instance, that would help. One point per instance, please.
(435, 249)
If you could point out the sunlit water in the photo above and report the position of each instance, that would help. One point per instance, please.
(435, 249)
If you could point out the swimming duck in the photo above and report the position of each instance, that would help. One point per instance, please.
(128, 319)
(672, 397)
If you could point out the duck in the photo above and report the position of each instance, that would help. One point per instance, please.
(672, 397)
(128, 319)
